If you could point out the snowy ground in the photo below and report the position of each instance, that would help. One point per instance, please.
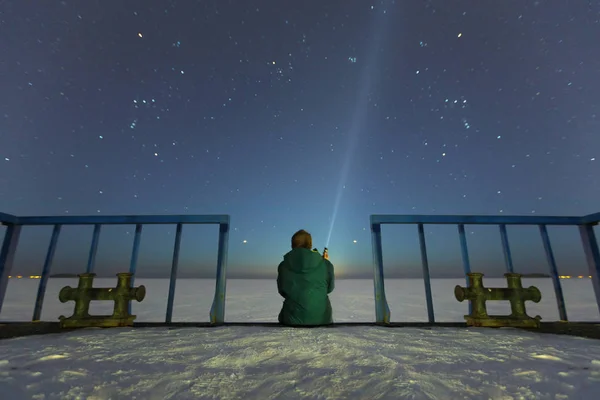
(245, 362)
(326, 363)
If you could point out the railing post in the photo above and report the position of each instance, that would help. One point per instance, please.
(465, 256)
(39, 301)
(93, 249)
(217, 310)
(173, 279)
(506, 249)
(382, 310)
(426, 277)
(558, 292)
(592, 255)
(134, 256)
(7, 256)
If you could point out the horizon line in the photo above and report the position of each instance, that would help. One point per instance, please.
(275, 277)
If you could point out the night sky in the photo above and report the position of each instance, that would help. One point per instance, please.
(299, 114)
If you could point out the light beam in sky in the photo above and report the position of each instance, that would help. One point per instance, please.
(360, 113)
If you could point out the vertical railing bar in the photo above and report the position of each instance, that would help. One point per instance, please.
(382, 310)
(465, 256)
(560, 300)
(7, 256)
(173, 279)
(134, 256)
(39, 301)
(93, 249)
(506, 249)
(592, 255)
(426, 277)
(217, 310)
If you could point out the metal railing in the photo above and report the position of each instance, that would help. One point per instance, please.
(586, 231)
(217, 312)
(13, 231)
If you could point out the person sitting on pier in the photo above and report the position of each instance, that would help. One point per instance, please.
(304, 280)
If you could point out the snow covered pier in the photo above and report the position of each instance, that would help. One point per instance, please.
(342, 362)
(381, 359)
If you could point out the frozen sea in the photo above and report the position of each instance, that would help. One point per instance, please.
(349, 362)
(258, 300)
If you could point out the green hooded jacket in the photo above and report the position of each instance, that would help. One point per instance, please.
(304, 280)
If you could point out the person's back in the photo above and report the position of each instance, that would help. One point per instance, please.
(304, 280)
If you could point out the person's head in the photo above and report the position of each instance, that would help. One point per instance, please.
(302, 239)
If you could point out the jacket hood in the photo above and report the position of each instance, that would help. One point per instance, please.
(301, 259)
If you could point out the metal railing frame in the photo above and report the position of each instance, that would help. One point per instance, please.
(13, 231)
(217, 312)
(586, 230)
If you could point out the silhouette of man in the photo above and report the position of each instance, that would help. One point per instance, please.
(304, 280)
